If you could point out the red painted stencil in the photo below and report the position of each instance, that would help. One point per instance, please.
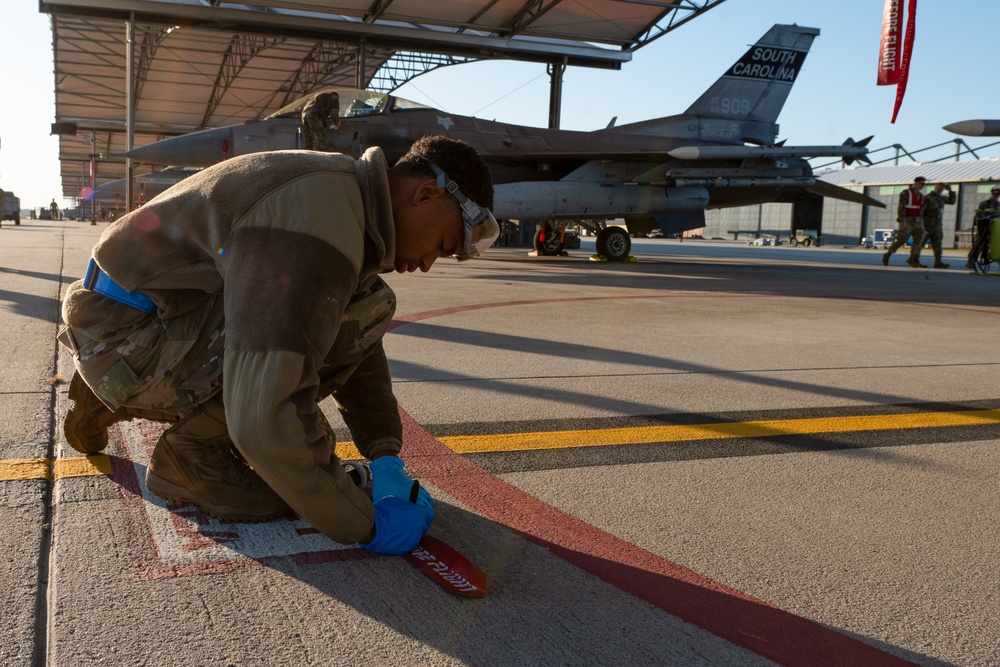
(447, 567)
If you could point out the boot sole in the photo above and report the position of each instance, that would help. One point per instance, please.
(181, 496)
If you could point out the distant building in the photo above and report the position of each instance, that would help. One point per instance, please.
(845, 223)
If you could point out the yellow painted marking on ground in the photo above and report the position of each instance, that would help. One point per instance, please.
(757, 429)
(100, 464)
(347, 451)
(83, 466)
(24, 469)
(74, 466)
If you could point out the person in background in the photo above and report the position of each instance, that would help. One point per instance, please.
(318, 114)
(985, 212)
(908, 215)
(933, 215)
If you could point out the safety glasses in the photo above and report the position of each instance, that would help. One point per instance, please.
(481, 228)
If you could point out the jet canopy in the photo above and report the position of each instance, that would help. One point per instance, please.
(353, 102)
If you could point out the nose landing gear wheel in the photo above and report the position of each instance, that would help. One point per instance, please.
(614, 243)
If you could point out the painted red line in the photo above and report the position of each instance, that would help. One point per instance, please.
(755, 625)
(428, 314)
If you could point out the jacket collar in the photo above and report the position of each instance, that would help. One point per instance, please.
(380, 246)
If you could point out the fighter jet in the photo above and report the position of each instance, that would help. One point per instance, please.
(147, 185)
(665, 173)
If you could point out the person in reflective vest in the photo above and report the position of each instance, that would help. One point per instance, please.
(911, 225)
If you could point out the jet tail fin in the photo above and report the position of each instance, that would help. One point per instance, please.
(754, 89)
(744, 103)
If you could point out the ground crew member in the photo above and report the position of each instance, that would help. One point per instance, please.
(933, 215)
(911, 204)
(320, 112)
(54, 209)
(234, 302)
(985, 212)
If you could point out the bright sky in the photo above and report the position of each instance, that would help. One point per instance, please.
(953, 77)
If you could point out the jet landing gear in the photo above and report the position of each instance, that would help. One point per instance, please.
(614, 244)
(549, 239)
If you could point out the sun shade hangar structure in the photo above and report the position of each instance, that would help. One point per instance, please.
(130, 72)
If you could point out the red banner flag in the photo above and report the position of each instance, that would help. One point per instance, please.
(888, 53)
(904, 62)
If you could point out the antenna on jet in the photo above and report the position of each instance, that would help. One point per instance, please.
(612, 123)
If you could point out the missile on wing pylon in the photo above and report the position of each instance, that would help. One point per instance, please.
(560, 199)
(851, 150)
(975, 128)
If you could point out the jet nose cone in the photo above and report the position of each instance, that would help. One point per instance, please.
(198, 149)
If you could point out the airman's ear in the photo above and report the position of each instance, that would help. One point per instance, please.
(428, 191)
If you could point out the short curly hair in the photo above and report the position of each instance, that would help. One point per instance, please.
(458, 160)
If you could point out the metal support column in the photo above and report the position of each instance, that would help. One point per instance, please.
(129, 105)
(555, 71)
(93, 171)
(359, 77)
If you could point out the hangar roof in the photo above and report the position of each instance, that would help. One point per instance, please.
(207, 63)
(984, 170)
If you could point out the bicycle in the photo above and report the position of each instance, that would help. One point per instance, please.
(979, 257)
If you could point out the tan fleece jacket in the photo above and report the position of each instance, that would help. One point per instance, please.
(288, 238)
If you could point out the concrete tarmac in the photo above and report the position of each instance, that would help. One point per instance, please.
(716, 455)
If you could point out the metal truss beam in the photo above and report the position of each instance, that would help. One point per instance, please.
(323, 59)
(396, 37)
(406, 65)
(676, 13)
(241, 50)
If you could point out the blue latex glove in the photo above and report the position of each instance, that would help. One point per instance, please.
(389, 480)
(399, 525)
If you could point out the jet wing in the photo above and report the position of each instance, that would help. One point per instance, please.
(825, 189)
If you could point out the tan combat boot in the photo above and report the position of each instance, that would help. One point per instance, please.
(196, 463)
(88, 419)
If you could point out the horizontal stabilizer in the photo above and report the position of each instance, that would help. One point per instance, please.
(824, 189)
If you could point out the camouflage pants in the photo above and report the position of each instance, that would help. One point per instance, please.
(169, 366)
(934, 231)
(314, 140)
(911, 227)
(313, 132)
(174, 365)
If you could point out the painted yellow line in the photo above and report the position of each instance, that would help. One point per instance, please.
(82, 466)
(74, 466)
(24, 469)
(756, 429)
